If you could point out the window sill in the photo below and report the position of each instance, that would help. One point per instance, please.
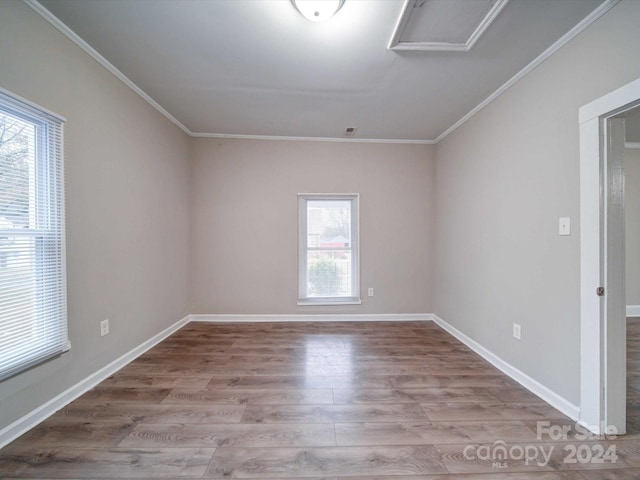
(328, 302)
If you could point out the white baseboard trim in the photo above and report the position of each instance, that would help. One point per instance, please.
(633, 310)
(347, 317)
(44, 411)
(549, 396)
(33, 418)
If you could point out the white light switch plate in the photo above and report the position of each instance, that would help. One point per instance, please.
(104, 327)
(517, 331)
(564, 226)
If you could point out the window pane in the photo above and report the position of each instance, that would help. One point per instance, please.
(329, 273)
(17, 140)
(18, 316)
(33, 324)
(328, 223)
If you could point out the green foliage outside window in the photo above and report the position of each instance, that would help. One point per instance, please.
(323, 277)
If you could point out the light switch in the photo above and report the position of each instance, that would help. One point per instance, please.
(564, 226)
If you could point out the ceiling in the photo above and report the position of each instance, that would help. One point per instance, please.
(258, 68)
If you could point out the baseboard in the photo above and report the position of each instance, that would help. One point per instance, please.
(549, 396)
(379, 317)
(633, 310)
(33, 418)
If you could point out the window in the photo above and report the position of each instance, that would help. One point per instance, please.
(328, 250)
(33, 312)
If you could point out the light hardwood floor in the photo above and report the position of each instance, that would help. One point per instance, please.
(320, 401)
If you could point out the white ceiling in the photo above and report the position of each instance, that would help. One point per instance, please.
(444, 25)
(258, 68)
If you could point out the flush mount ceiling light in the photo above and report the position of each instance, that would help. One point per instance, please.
(317, 10)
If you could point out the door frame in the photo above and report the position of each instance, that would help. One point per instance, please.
(598, 338)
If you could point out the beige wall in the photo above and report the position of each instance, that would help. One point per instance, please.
(503, 180)
(134, 200)
(632, 224)
(127, 181)
(245, 222)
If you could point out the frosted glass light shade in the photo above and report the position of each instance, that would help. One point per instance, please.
(317, 10)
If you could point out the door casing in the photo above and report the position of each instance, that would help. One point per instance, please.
(601, 340)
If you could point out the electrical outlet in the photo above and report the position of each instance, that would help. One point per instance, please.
(370, 292)
(517, 333)
(104, 327)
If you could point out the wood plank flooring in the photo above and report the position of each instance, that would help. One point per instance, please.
(633, 376)
(318, 401)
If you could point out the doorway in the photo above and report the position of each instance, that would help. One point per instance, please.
(602, 296)
(632, 266)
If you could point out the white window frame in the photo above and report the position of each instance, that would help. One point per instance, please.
(303, 248)
(48, 337)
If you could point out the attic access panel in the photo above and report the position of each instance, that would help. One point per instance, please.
(443, 25)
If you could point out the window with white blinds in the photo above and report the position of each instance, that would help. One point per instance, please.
(328, 250)
(33, 311)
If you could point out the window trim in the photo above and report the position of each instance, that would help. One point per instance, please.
(303, 299)
(49, 164)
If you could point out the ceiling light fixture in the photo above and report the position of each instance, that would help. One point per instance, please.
(317, 10)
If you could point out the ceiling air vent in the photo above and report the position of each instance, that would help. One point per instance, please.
(350, 131)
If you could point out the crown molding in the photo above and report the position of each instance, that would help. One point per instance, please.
(58, 24)
(75, 38)
(566, 38)
(313, 139)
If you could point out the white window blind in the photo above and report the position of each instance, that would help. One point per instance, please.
(328, 249)
(33, 311)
